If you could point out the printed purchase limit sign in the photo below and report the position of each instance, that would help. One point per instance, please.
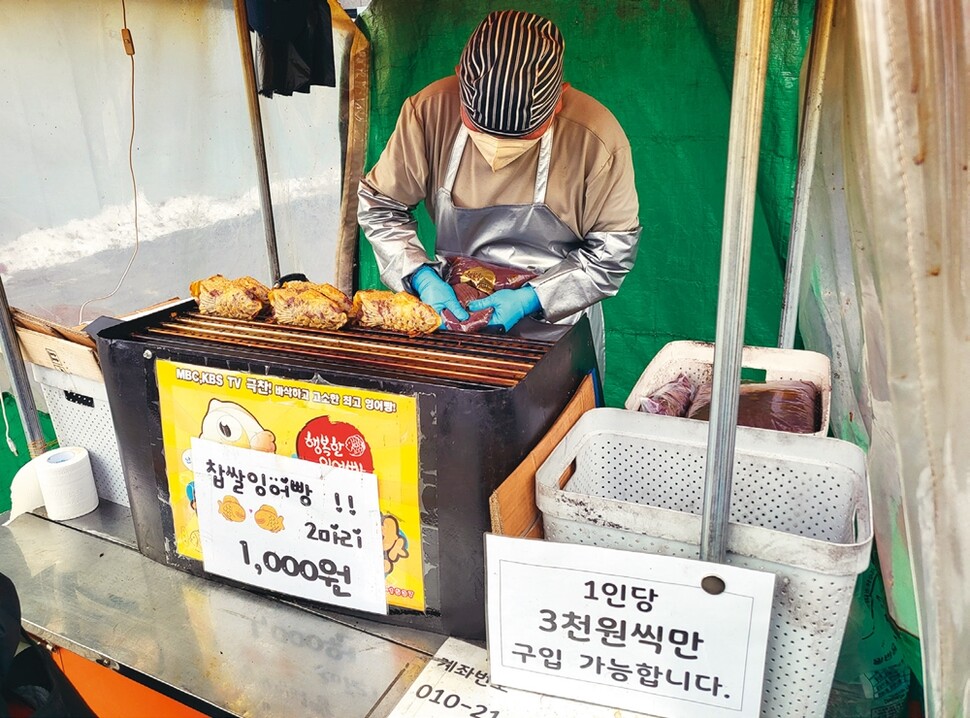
(628, 630)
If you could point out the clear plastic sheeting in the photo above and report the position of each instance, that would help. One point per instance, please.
(884, 293)
(66, 210)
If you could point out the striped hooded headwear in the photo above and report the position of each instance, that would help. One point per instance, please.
(510, 73)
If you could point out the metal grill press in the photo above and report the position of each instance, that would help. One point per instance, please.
(476, 359)
(483, 401)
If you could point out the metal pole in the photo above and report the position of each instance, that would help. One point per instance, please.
(22, 395)
(259, 145)
(747, 100)
(808, 148)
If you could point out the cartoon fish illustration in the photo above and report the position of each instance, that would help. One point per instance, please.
(267, 519)
(231, 509)
(228, 423)
(395, 542)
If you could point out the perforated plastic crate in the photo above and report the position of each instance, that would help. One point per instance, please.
(799, 509)
(696, 361)
(81, 417)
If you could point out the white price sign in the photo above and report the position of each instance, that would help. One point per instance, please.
(455, 684)
(291, 526)
(666, 636)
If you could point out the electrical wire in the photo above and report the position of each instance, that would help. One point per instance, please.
(126, 34)
(6, 427)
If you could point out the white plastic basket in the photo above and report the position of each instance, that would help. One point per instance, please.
(799, 509)
(696, 361)
(81, 417)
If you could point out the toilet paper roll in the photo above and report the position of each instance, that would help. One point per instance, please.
(60, 480)
(67, 483)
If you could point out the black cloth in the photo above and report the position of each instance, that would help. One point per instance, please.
(9, 624)
(31, 677)
(295, 45)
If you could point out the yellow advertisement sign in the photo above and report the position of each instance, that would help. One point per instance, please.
(347, 427)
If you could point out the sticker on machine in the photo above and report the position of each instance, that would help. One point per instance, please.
(290, 526)
(343, 427)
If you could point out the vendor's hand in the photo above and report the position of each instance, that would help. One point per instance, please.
(510, 306)
(437, 293)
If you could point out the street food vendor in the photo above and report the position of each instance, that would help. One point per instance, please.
(516, 168)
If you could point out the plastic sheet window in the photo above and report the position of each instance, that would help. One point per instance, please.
(66, 210)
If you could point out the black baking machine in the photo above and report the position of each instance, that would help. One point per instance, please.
(483, 401)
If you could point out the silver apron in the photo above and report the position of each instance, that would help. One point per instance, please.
(527, 236)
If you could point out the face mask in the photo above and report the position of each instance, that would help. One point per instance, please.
(500, 151)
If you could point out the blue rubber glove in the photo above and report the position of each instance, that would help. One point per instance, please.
(437, 293)
(510, 306)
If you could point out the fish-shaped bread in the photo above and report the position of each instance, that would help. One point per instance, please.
(396, 311)
(305, 304)
(241, 298)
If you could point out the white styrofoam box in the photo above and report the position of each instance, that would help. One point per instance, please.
(799, 509)
(81, 416)
(696, 361)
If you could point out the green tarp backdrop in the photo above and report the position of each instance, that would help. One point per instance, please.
(10, 463)
(664, 68)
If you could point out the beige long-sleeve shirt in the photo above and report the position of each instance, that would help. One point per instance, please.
(590, 188)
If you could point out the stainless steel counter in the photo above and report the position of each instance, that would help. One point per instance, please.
(223, 648)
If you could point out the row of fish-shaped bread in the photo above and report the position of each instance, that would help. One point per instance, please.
(320, 306)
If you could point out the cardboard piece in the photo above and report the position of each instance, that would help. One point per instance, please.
(512, 505)
(56, 347)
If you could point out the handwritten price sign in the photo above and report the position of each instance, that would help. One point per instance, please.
(290, 526)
